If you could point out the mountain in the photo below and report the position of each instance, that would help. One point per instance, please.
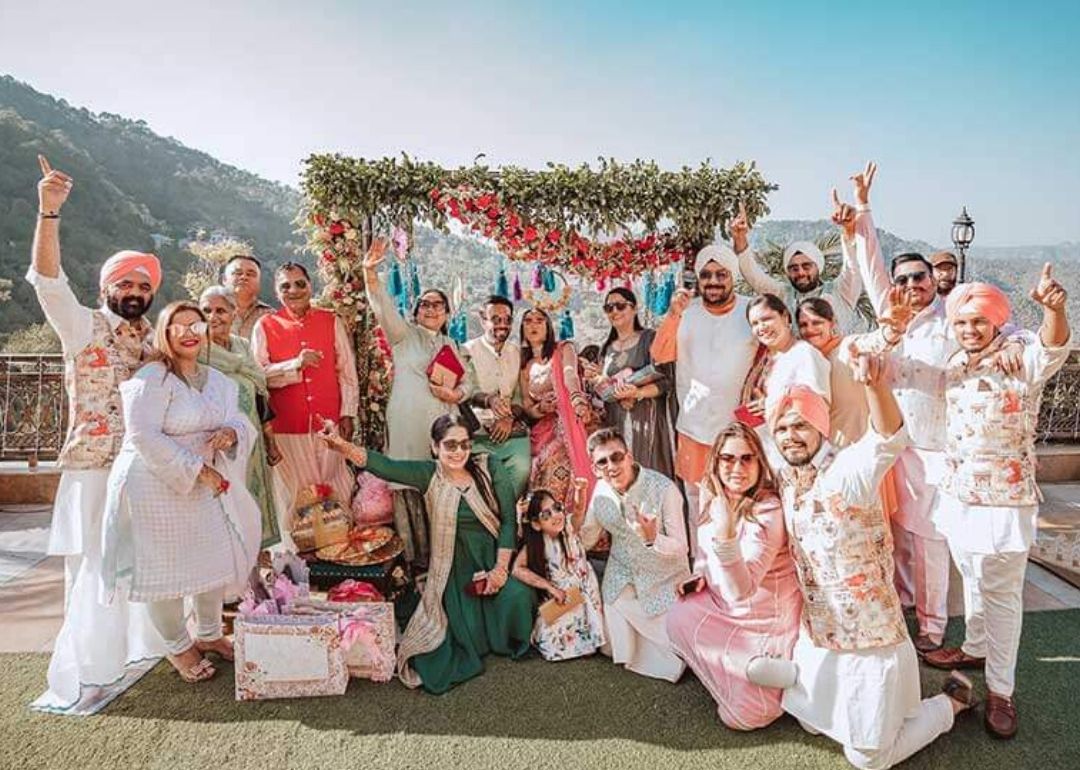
(133, 189)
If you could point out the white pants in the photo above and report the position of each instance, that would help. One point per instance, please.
(922, 578)
(993, 612)
(640, 641)
(934, 717)
(168, 618)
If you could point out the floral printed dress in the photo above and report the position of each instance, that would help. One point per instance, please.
(579, 632)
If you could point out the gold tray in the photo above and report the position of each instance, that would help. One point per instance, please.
(355, 554)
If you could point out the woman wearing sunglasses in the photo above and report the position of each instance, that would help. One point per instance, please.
(414, 401)
(470, 606)
(641, 412)
(179, 521)
(742, 605)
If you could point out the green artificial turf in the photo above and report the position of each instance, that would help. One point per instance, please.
(528, 714)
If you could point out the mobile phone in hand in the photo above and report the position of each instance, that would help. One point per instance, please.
(693, 585)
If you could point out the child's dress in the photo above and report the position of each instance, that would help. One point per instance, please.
(581, 631)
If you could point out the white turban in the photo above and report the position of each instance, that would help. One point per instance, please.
(719, 253)
(808, 250)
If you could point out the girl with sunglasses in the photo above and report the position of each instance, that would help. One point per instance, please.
(552, 560)
(414, 401)
(742, 605)
(470, 606)
(179, 520)
(641, 413)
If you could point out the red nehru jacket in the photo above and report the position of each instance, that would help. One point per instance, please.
(301, 407)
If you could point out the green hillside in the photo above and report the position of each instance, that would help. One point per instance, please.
(133, 189)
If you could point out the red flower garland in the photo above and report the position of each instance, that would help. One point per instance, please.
(483, 213)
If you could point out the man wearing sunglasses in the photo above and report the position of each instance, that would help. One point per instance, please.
(803, 263)
(243, 274)
(917, 360)
(642, 511)
(311, 373)
(102, 347)
(496, 362)
(709, 339)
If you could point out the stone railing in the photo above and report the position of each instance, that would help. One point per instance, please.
(33, 406)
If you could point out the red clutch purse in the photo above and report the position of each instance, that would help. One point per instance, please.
(446, 368)
(475, 586)
(748, 418)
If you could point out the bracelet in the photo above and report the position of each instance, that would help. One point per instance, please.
(43, 215)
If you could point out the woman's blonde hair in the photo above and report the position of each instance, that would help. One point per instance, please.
(161, 349)
(766, 484)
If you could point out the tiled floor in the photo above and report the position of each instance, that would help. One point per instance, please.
(31, 603)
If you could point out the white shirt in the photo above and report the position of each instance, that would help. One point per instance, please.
(714, 354)
(495, 371)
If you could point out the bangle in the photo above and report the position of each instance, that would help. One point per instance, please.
(43, 215)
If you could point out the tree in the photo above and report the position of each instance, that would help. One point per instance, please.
(211, 254)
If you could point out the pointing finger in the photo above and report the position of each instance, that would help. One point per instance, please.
(1047, 271)
(836, 198)
(44, 163)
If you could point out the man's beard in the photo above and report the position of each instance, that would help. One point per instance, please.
(944, 287)
(724, 296)
(129, 308)
(807, 284)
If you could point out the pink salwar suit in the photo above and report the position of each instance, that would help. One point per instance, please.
(749, 607)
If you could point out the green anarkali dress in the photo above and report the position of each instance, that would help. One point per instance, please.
(476, 625)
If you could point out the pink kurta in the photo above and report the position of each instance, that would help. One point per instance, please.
(750, 607)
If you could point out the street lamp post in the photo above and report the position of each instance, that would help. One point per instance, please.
(963, 233)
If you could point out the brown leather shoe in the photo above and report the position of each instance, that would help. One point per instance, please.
(952, 657)
(924, 644)
(1001, 719)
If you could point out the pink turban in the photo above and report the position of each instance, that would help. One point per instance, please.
(980, 299)
(810, 405)
(123, 262)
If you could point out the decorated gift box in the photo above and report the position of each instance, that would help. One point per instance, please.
(367, 634)
(289, 656)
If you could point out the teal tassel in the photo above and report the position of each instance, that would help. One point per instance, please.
(414, 279)
(666, 293)
(502, 284)
(459, 330)
(403, 306)
(397, 286)
(566, 326)
(549, 281)
(649, 291)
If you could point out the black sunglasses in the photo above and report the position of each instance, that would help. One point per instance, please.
(613, 459)
(904, 280)
(611, 307)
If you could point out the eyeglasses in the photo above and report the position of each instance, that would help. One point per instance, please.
(195, 327)
(611, 307)
(299, 283)
(719, 275)
(547, 513)
(450, 445)
(729, 460)
(904, 280)
(432, 304)
(612, 459)
(499, 320)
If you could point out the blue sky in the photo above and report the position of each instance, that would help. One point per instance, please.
(961, 103)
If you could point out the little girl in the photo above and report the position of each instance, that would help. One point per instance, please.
(552, 560)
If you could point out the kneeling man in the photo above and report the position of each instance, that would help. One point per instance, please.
(642, 510)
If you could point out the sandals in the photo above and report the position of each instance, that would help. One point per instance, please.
(221, 646)
(198, 672)
(960, 689)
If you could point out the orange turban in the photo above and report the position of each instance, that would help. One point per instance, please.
(980, 299)
(810, 405)
(123, 262)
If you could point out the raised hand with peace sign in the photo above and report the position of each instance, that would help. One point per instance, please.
(862, 183)
(843, 215)
(53, 189)
(739, 230)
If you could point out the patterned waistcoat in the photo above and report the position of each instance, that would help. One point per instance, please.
(92, 378)
(631, 562)
(990, 441)
(843, 559)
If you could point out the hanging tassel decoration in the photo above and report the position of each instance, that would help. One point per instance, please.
(601, 284)
(396, 285)
(549, 281)
(538, 276)
(648, 291)
(414, 279)
(566, 326)
(666, 295)
(519, 294)
(502, 284)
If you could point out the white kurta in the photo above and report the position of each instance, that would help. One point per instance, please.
(166, 535)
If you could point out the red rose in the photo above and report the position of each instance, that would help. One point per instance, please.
(493, 213)
(530, 234)
(485, 201)
(336, 228)
(328, 256)
(553, 236)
